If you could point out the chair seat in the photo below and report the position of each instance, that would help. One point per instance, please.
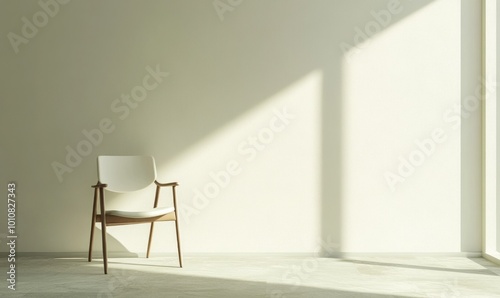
(141, 214)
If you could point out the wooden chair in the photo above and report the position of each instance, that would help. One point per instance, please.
(127, 174)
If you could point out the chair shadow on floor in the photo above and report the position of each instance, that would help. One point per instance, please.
(129, 279)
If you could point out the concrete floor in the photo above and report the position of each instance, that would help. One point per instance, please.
(255, 276)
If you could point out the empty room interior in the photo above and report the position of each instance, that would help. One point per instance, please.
(284, 148)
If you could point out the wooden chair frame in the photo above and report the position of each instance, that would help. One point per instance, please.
(112, 220)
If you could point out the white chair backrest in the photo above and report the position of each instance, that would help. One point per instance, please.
(126, 173)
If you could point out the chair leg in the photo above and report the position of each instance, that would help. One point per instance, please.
(177, 226)
(92, 226)
(150, 238)
(104, 250)
(178, 242)
(103, 229)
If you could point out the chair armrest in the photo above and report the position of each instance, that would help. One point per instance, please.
(99, 185)
(166, 184)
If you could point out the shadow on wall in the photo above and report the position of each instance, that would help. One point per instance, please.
(223, 70)
(217, 71)
(115, 247)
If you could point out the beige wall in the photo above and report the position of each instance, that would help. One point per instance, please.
(306, 131)
(497, 132)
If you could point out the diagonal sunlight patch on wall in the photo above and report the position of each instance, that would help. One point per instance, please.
(381, 21)
(260, 171)
(390, 120)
